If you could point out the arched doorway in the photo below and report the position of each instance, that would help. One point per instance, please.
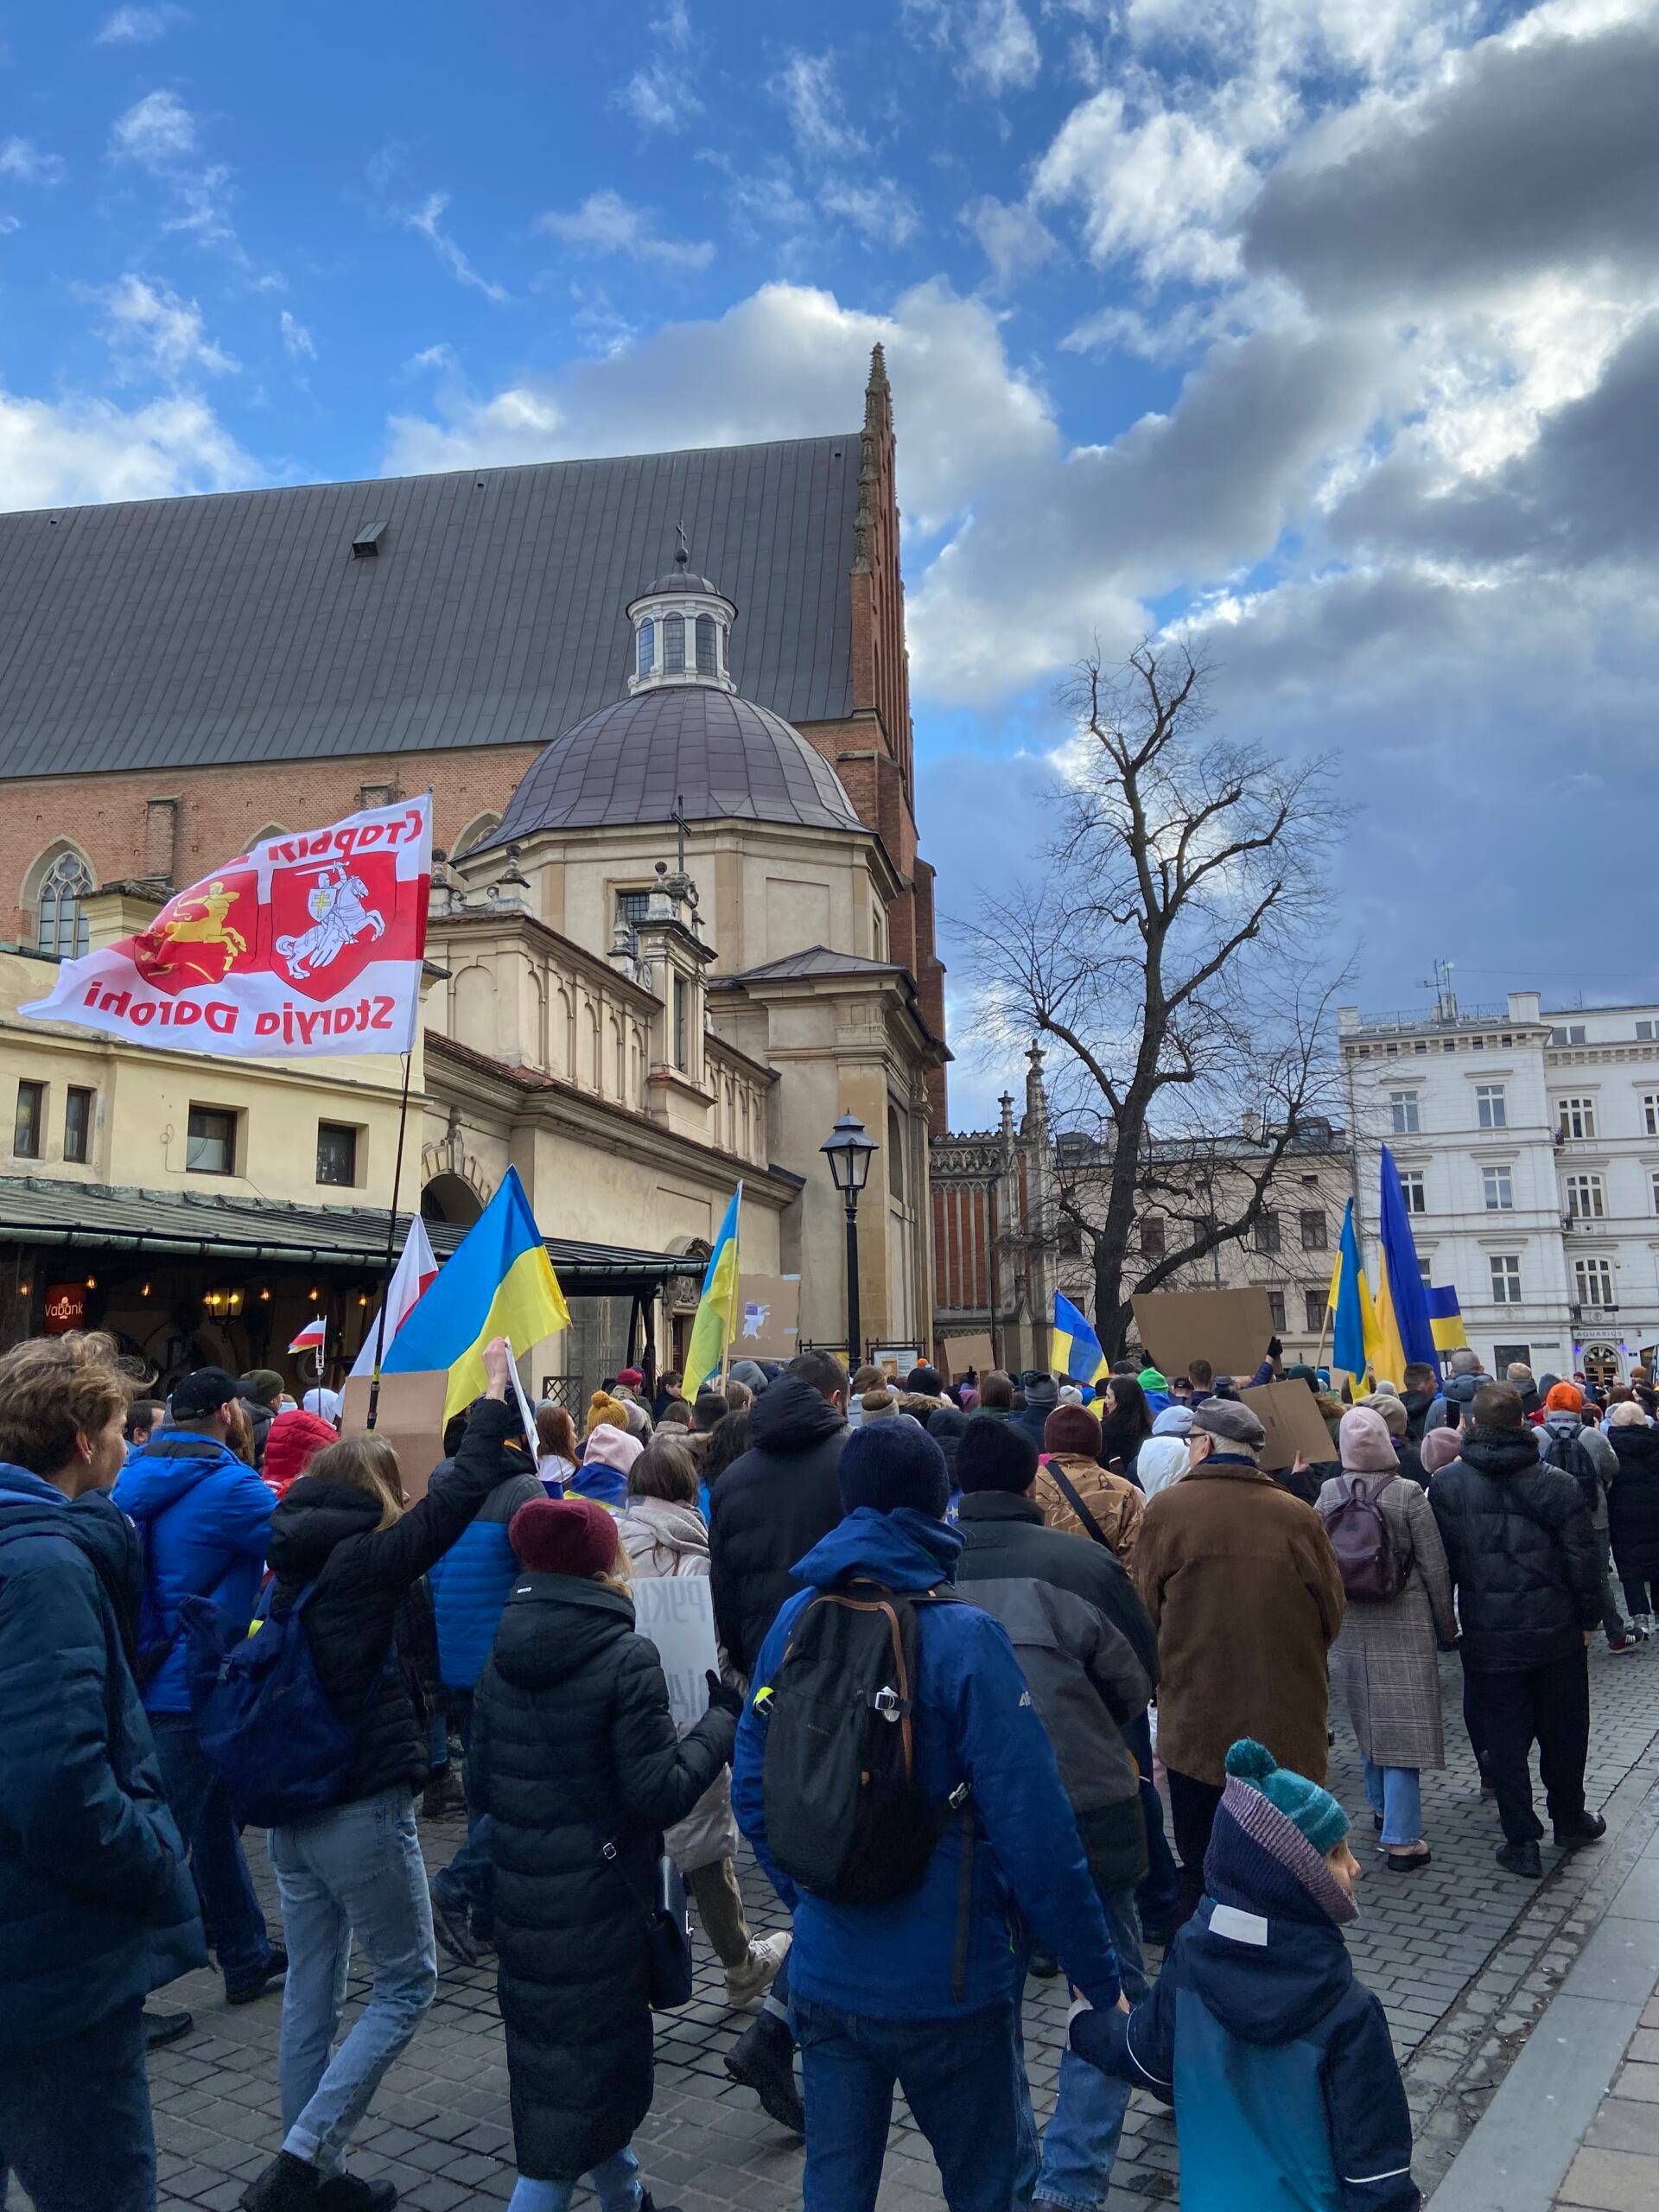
(1601, 1365)
(452, 1200)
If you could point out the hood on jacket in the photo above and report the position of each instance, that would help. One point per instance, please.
(662, 1521)
(789, 1416)
(311, 1518)
(1163, 1460)
(31, 1506)
(148, 1486)
(1366, 1447)
(1500, 1452)
(1636, 1446)
(553, 1624)
(1565, 1427)
(612, 1447)
(905, 1549)
(292, 1441)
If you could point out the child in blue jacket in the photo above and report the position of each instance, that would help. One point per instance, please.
(1278, 2064)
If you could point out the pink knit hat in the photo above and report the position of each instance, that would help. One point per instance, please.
(1367, 1448)
(1439, 1447)
(612, 1447)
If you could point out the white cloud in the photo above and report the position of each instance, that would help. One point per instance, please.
(297, 340)
(660, 95)
(1012, 239)
(426, 220)
(606, 223)
(877, 206)
(149, 325)
(8, 224)
(138, 26)
(812, 99)
(157, 131)
(995, 47)
(21, 160)
(83, 449)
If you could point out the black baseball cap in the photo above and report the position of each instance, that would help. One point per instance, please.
(203, 1393)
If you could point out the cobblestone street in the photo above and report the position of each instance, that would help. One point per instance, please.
(1465, 1958)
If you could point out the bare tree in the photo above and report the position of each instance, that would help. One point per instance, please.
(1165, 950)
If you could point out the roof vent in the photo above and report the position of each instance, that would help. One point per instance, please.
(366, 542)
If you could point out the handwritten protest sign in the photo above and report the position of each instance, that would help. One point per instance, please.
(677, 1613)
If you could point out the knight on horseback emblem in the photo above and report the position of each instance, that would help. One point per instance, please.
(338, 917)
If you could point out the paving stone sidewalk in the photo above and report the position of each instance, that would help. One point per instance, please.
(1431, 1944)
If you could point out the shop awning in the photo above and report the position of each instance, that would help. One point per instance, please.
(44, 1212)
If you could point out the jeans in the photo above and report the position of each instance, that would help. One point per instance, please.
(1396, 1793)
(1549, 1704)
(231, 1918)
(960, 2077)
(74, 2120)
(1612, 1621)
(615, 2182)
(467, 1884)
(1192, 1808)
(1073, 2165)
(1159, 1894)
(1641, 1595)
(355, 1872)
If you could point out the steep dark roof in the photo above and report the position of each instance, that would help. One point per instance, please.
(238, 627)
(726, 757)
(816, 960)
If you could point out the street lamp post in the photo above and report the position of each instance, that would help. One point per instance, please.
(848, 1150)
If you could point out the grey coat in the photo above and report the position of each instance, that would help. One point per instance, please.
(1384, 1659)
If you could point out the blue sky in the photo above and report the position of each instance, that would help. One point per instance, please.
(1325, 332)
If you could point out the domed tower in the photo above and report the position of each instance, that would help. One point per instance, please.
(682, 630)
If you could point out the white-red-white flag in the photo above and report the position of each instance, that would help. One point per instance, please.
(310, 943)
(411, 1278)
(312, 1337)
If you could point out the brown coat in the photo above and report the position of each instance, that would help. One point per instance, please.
(1243, 1588)
(1115, 1502)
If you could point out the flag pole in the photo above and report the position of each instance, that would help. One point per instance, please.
(392, 1244)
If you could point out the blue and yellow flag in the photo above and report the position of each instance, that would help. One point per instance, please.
(1075, 1348)
(498, 1282)
(1403, 1324)
(1446, 1319)
(711, 1332)
(1354, 1336)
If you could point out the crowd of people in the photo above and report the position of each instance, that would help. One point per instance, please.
(984, 1650)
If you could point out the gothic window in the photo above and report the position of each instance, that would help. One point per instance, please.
(480, 827)
(62, 919)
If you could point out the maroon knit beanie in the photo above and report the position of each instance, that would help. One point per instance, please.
(564, 1536)
(1071, 1428)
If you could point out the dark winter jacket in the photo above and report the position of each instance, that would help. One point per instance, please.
(974, 1723)
(1633, 1502)
(1032, 1417)
(260, 1417)
(471, 1581)
(769, 1508)
(328, 1532)
(1521, 1552)
(1416, 1403)
(573, 1747)
(946, 1427)
(97, 1905)
(1003, 1535)
(204, 1518)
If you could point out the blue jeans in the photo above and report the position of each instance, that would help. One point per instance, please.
(960, 2079)
(1396, 1793)
(615, 2182)
(354, 1872)
(1159, 1896)
(467, 1884)
(1074, 2164)
(231, 1918)
(74, 2120)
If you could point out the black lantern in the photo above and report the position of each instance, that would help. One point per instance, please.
(849, 1150)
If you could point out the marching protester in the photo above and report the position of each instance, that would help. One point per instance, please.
(1633, 1511)
(1077, 1492)
(555, 1458)
(608, 1450)
(1041, 1393)
(1570, 1441)
(262, 1394)
(141, 1418)
(97, 1905)
(1125, 1424)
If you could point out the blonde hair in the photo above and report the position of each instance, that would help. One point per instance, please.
(1627, 1415)
(605, 1412)
(367, 1463)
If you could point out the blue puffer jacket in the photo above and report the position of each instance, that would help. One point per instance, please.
(97, 1906)
(974, 1723)
(470, 1583)
(205, 1518)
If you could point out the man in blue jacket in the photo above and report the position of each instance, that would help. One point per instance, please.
(96, 1906)
(919, 1990)
(203, 1516)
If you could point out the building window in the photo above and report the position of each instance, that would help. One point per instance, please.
(680, 999)
(1413, 1189)
(1489, 1109)
(61, 919)
(1651, 1113)
(336, 1153)
(673, 644)
(1594, 1279)
(77, 1125)
(1571, 1033)
(1644, 1032)
(1153, 1246)
(31, 1119)
(1313, 1229)
(1586, 1199)
(895, 1154)
(1506, 1277)
(1402, 1106)
(1313, 1312)
(480, 827)
(211, 1148)
(1497, 1192)
(1266, 1232)
(647, 646)
(1653, 1184)
(707, 663)
(1276, 1310)
(1575, 1117)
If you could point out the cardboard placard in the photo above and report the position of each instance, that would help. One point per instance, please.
(1294, 1423)
(895, 1361)
(409, 1416)
(768, 1318)
(962, 1352)
(1229, 1328)
(677, 1613)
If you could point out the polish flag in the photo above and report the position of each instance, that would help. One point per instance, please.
(311, 1336)
(415, 1274)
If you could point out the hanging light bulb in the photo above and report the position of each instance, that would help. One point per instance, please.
(144, 1292)
(314, 1296)
(92, 1282)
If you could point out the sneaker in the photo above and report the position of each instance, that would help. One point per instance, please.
(163, 2028)
(351, 2193)
(1591, 1829)
(450, 1927)
(747, 1982)
(763, 2059)
(287, 2185)
(1521, 1859)
(1619, 1646)
(248, 1993)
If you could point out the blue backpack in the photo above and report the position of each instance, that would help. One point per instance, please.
(262, 1715)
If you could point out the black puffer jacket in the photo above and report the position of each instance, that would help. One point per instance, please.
(571, 1716)
(326, 1531)
(769, 1508)
(1521, 1551)
(1633, 1502)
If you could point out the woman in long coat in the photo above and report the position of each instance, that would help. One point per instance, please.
(1385, 1658)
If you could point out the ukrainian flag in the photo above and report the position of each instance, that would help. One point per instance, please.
(1406, 1332)
(1074, 1349)
(1446, 1319)
(711, 1332)
(498, 1282)
(1354, 1337)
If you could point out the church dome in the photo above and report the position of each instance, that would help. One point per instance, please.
(719, 755)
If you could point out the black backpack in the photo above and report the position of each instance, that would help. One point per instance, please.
(1571, 1458)
(846, 1819)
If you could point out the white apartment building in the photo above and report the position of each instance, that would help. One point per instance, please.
(1528, 1143)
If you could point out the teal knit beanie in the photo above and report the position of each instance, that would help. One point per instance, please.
(1312, 1809)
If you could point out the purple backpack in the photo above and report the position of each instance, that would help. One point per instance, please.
(1368, 1558)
